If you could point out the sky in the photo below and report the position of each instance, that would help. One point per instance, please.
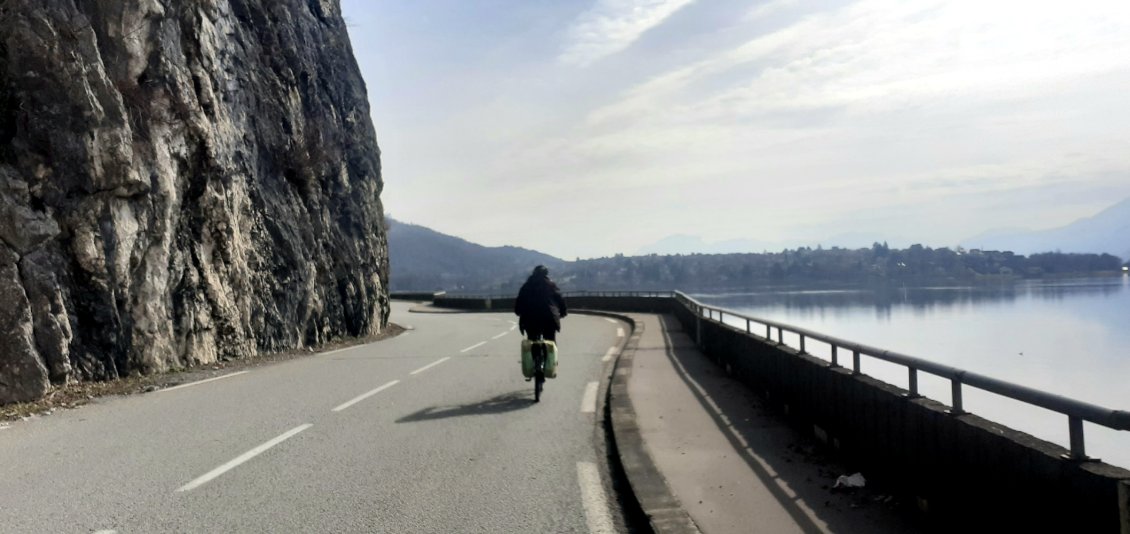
(586, 128)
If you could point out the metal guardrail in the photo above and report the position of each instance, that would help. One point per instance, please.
(1076, 411)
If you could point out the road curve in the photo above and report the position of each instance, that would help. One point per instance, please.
(431, 431)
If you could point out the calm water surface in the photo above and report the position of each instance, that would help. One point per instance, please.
(1066, 337)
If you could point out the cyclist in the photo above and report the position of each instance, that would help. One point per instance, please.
(540, 306)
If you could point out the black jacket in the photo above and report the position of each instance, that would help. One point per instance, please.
(540, 306)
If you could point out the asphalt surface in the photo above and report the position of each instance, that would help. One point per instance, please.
(431, 431)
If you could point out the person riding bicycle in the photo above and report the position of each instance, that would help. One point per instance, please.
(540, 306)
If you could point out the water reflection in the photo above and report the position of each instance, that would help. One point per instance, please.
(919, 299)
(1069, 337)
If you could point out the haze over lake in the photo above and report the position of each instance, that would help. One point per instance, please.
(1069, 337)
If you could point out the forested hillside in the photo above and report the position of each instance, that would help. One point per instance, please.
(425, 260)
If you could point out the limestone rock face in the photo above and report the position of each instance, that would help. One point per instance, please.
(181, 181)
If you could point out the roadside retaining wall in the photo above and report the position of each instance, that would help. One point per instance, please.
(475, 303)
(415, 295)
(613, 304)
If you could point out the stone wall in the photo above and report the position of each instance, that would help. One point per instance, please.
(181, 181)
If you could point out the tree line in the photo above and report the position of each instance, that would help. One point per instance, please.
(816, 267)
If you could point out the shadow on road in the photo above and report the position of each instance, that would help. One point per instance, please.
(507, 402)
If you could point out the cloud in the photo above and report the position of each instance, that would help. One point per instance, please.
(877, 73)
(883, 54)
(613, 25)
(782, 118)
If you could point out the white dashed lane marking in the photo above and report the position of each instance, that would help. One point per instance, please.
(198, 382)
(608, 355)
(210, 475)
(619, 332)
(611, 320)
(430, 365)
(500, 335)
(588, 400)
(475, 346)
(593, 498)
(365, 395)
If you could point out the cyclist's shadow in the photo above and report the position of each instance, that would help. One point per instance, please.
(507, 402)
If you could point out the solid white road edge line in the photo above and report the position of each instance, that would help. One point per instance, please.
(205, 478)
(608, 355)
(619, 332)
(500, 335)
(475, 346)
(593, 499)
(430, 365)
(364, 396)
(198, 382)
(335, 351)
(588, 400)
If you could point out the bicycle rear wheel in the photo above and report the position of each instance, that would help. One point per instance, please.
(539, 371)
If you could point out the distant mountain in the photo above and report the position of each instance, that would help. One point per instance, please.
(691, 244)
(1108, 231)
(425, 260)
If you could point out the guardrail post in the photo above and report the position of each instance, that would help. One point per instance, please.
(855, 363)
(802, 344)
(835, 357)
(1075, 431)
(780, 336)
(912, 383)
(955, 388)
(768, 333)
(747, 330)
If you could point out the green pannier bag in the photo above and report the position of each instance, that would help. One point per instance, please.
(528, 358)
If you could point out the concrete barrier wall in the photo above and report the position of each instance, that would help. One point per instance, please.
(414, 295)
(962, 468)
(623, 304)
(475, 303)
(615, 304)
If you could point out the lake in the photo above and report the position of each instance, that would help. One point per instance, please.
(1069, 337)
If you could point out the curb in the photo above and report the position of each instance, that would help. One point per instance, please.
(664, 512)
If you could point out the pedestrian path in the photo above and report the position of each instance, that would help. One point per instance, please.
(733, 466)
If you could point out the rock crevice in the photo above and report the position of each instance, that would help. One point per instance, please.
(181, 181)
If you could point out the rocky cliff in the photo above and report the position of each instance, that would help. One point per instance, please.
(181, 181)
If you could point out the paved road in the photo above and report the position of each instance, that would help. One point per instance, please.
(431, 431)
